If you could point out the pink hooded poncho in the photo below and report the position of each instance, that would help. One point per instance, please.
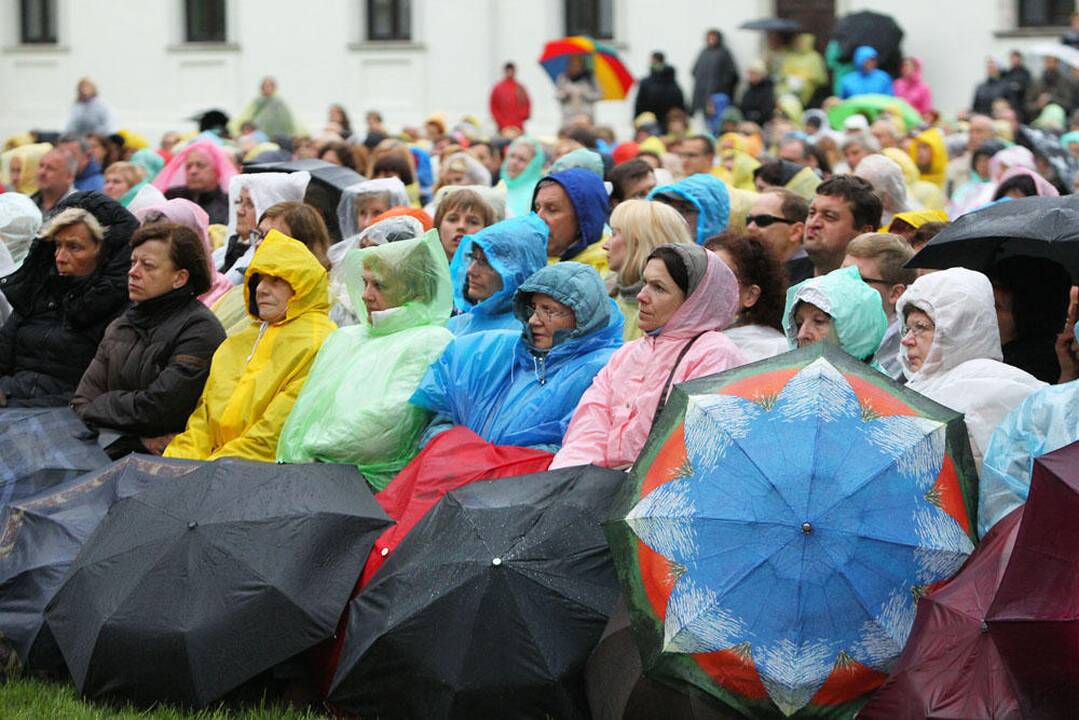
(613, 419)
(175, 174)
(913, 89)
(186, 213)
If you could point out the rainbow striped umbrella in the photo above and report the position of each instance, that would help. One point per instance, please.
(612, 77)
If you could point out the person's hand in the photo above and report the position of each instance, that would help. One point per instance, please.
(157, 445)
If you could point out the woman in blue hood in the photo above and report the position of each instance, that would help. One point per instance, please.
(488, 268)
(521, 388)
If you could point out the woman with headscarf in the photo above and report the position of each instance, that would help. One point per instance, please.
(366, 200)
(152, 363)
(257, 374)
(402, 291)
(910, 86)
(521, 387)
(930, 155)
(689, 297)
(186, 213)
(488, 268)
(521, 170)
(951, 353)
(71, 285)
(201, 172)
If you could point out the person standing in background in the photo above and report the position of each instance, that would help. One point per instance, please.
(510, 105)
(714, 71)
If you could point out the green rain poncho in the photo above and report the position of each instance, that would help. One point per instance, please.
(354, 407)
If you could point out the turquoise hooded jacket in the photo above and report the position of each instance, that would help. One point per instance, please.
(711, 198)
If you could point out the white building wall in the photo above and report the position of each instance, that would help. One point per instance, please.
(134, 51)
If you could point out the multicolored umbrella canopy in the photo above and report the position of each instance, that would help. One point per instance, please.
(1001, 640)
(780, 524)
(612, 77)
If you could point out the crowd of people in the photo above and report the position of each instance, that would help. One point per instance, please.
(541, 291)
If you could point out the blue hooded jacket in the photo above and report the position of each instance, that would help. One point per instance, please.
(711, 198)
(590, 202)
(495, 384)
(863, 82)
(515, 249)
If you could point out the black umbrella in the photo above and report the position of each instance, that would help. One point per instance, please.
(773, 24)
(42, 447)
(490, 605)
(877, 30)
(618, 689)
(1041, 227)
(189, 589)
(40, 537)
(324, 191)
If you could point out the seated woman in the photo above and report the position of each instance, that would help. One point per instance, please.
(839, 308)
(151, 365)
(257, 374)
(363, 202)
(521, 171)
(489, 267)
(637, 228)
(403, 292)
(762, 282)
(201, 172)
(465, 210)
(689, 296)
(521, 387)
(950, 351)
(123, 180)
(71, 285)
(186, 213)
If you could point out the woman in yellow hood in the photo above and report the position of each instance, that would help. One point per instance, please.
(930, 196)
(257, 374)
(929, 154)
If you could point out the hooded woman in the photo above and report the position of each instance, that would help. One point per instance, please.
(152, 363)
(71, 285)
(249, 196)
(402, 290)
(488, 268)
(20, 219)
(930, 155)
(521, 170)
(702, 200)
(689, 296)
(257, 374)
(363, 202)
(18, 167)
(839, 308)
(521, 388)
(910, 86)
(201, 172)
(186, 213)
(950, 351)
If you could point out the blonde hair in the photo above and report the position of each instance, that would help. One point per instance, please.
(645, 225)
(891, 253)
(130, 172)
(74, 216)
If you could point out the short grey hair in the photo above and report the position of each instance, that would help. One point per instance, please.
(74, 216)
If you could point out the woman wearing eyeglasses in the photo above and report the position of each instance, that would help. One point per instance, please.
(521, 387)
(950, 351)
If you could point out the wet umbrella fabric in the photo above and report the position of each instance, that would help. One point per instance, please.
(1045, 227)
(490, 606)
(1001, 640)
(324, 191)
(778, 525)
(42, 447)
(189, 589)
(879, 31)
(40, 537)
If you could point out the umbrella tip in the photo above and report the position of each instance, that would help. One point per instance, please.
(192, 525)
(807, 528)
(385, 552)
(496, 562)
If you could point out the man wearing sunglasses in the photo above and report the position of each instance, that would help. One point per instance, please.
(777, 218)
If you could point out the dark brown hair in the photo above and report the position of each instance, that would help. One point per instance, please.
(394, 164)
(304, 224)
(754, 264)
(186, 251)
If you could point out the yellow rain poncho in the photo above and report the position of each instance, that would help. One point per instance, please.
(802, 69)
(29, 157)
(354, 408)
(257, 374)
(739, 174)
(927, 194)
(939, 163)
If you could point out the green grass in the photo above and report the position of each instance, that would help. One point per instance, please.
(26, 699)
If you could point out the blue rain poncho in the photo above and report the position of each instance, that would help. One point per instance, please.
(515, 249)
(354, 406)
(502, 389)
(709, 195)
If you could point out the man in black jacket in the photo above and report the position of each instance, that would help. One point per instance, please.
(715, 71)
(659, 92)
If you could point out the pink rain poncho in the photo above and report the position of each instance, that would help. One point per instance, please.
(175, 173)
(913, 89)
(613, 419)
(186, 213)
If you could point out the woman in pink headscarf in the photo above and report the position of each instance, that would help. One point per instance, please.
(186, 213)
(200, 173)
(910, 86)
(689, 296)
(1012, 158)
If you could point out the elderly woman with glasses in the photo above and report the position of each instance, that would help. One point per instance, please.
(521, 387)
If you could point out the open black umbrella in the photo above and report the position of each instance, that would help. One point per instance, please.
(189, 589)
(618, 689)
(773, 24)
(40, 537)
(42, 447)
(1041, 227)
(324, 191)
(877, 30)
(489, 607)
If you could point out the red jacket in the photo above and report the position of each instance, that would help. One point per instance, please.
(510, 104)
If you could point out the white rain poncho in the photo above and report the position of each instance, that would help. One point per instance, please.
(493, 196)
(391, 189)
(963, 368)
(20, 219)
